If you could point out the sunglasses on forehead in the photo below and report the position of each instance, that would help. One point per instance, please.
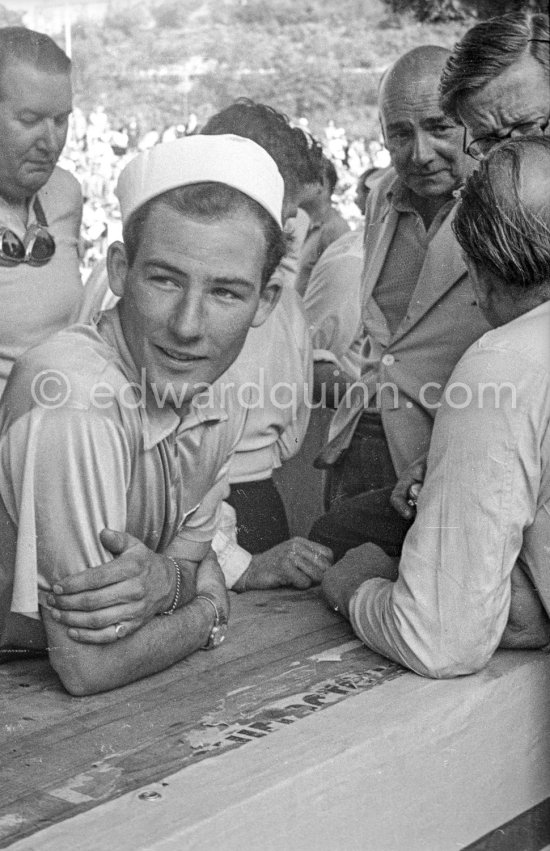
(37, 246)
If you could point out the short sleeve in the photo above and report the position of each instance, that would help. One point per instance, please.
(64, 477)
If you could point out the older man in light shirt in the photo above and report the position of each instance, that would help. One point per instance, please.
(474, 570)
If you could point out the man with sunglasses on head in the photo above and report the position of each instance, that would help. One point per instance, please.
(40, 204)
(496, 83)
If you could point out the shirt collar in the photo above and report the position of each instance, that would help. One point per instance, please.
(158, 422)
(399, 197)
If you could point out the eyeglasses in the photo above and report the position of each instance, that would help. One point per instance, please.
(479, 148)
(37, 246)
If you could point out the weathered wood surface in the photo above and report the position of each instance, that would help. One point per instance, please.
(291, 736)
(413, 764)
(60, 756)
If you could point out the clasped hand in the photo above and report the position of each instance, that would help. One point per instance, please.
(298, 563)
(130, 591)
(408, 487)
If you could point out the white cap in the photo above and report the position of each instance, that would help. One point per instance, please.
(233, 160)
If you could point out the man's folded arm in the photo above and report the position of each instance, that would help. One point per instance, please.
(89, 668)
(139, 583)
(127, 592)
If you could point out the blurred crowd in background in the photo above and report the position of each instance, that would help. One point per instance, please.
(98, 149)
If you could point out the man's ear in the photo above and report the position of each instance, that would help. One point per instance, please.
(117, 267)
(269, 297)
(483, 283)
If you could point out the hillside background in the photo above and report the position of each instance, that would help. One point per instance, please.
(320, 59)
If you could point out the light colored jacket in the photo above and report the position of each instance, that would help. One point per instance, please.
(407, 372)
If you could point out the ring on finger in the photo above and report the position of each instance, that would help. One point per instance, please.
(119, 630)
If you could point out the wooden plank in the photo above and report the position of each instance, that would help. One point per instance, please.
(25, 686)
(32, 699)
(416, 764)
(114, 743)
(150, 712)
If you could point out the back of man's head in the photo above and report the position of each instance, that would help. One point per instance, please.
(487, 50)
(18, 44)
(298, 156)
(503, 220)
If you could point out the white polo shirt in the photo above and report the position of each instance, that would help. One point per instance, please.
(76, 458)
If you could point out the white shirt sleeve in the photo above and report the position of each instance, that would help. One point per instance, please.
(57, 509)
(233, 559)
(446, 613)
(292, 435)
(332, 302)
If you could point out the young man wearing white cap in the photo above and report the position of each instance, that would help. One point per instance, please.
(105, 427)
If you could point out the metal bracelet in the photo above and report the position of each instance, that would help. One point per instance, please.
(212, 603)
(179, 583)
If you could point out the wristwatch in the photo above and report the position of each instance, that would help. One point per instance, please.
(219, 627)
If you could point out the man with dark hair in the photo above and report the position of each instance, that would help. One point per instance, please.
(474, 570)
(122, 425)
(497, 81)
(299, 157)
(40, 204)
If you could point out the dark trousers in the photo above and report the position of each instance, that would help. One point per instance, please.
(261, 517)
(358, 490)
